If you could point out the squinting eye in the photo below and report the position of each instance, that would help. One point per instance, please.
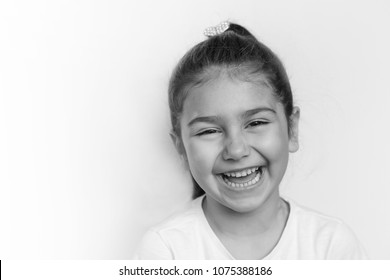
(207, 132)
(257, 123)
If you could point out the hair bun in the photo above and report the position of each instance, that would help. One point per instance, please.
(238, 29)
(226, 26)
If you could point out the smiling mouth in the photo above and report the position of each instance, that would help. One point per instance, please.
(243, 179)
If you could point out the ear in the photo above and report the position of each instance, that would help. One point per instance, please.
(178, 143)
(293, 143)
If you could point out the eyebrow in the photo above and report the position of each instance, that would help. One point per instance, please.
(252, 112)
(214, 119)
(207, 119)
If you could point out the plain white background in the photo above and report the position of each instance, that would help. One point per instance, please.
(86, 163)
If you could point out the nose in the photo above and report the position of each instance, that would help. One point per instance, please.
(235, 147)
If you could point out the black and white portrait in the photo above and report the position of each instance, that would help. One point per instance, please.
(90, 159)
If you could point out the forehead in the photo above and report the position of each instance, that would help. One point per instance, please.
(225, 95)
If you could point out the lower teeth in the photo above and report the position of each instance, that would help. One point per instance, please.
(243, 185)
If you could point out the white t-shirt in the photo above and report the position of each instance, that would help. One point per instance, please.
(307, 235)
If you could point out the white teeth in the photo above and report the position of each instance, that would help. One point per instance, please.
(242, 173)
(243, 185)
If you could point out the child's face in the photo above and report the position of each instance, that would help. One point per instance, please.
(236, 141)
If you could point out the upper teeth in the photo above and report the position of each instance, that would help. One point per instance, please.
(241, 173)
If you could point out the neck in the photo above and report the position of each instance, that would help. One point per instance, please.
(272, 213)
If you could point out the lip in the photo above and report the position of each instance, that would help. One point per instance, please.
(241, 189)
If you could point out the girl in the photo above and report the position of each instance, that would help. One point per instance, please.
(234, 123)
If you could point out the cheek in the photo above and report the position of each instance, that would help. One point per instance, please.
(201, 157)
(274, 146)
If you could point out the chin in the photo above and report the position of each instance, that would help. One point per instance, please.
(244, 205)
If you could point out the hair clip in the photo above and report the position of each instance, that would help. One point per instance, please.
(216, 30)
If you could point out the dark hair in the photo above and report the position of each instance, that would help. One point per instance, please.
(237, 51)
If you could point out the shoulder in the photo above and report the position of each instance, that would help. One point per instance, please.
(177, 230)
(181, 223)
(328, 235)
(311, 219)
